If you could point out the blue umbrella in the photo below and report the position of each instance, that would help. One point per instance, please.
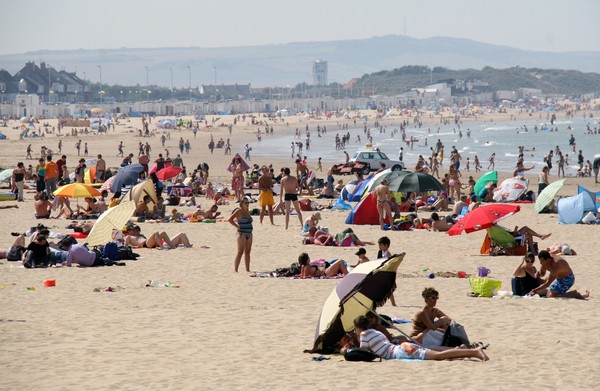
(128, 175)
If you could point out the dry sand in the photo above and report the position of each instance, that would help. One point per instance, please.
(225, 331)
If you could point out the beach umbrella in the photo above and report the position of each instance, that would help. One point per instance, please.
(113, 218)
(483, 217)
(378, 178)
(511, 189)
(406, 181)
(245, 165)
(76, 190)
(138, 191)
(127, 175)
(486, 178)
(168, 173)
(6, 174)
(547, 195)
(90, 175)
(107, 184)
(96, 110)
(365, 288)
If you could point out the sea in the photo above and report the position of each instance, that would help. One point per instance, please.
(502, 138)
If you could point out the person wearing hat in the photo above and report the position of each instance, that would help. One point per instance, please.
(311, 222)
(362, 256)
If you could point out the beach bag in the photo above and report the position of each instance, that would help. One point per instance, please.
(484, 287)
(358, 354)
(111, 251)
(455, 335)
(125, 253)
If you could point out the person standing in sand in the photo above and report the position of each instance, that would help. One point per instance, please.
(265, 198)
(561, 278)
(382, 192)
(242, 220)
(237, 182)
(289, 193)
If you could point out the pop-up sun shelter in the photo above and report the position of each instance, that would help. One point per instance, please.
(365, 212)
(572, 209)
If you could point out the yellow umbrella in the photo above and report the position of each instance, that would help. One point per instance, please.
(76, 190)
(113, 218)
(90, 175)
(96, 110)
(137, 192)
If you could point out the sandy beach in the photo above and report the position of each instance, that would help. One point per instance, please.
(219, 330)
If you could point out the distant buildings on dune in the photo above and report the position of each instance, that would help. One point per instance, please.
(50, 85)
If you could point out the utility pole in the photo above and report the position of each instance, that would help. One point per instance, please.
(190, 80)
(100, 68)
(171, 70)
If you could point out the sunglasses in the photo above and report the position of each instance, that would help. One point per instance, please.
(433, 297)
(529, 260)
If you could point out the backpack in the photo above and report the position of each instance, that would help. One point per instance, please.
(126, 253)
(111, 251)
(358, 354)
(455, 335)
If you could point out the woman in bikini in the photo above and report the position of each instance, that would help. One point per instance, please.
(309, 271)
(237, 182)
(382, 192)
(242, 221)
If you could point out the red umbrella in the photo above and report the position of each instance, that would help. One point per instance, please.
(168, 173)
(482, 218)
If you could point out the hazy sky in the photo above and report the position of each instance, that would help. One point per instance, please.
(547, 25)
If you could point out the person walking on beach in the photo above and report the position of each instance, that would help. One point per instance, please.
(265, 198)
(29, 150)
(78, 147)
(121, 153)
(289, 194)
(242, 221)
(492, 161)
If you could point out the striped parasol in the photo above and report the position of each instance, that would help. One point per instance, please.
(76, 190)
(106, 185)
(547, 195)
(113, 218)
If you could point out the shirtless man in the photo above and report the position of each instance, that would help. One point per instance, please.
(289, 193)
(100, 169)
(135, 239)
(382, 192)
(141, 209)
(265, 198)
(302, 175)
(561, 278)
(438, 224)
(42, 207)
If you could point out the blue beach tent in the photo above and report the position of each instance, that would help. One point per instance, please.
(572, 209)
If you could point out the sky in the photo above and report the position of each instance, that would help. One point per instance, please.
(543, 25)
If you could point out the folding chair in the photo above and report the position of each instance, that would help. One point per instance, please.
(503, 242)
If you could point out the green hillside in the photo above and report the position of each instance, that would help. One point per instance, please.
(550, 81)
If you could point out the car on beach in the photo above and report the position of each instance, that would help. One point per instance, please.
(375, 158)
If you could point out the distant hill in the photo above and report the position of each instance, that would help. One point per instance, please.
(550, 81)
(290, 64)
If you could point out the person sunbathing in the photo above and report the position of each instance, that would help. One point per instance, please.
(380, 345)
(307, 270)
(438, 224)
(560, 249)
(318, 237)
(528, 234)
(135, 239)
